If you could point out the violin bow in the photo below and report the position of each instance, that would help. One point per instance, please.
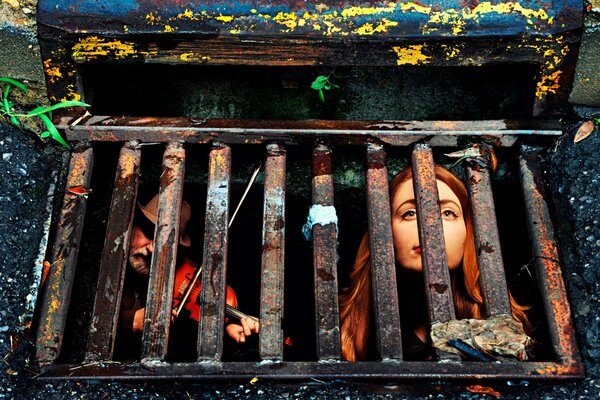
(190, 286)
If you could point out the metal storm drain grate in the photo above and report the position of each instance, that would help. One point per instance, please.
(422, 136)
(76, 35)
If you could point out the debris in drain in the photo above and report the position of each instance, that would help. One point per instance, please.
(483, 390)
(584, 131)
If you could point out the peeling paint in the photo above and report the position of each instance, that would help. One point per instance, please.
(452, 52)
(411, 55)
(548, 84)
(193, 57)
(287, 19)
(351, 12)
(224, 18)
(368, 29)
(94, 47)
(53, 73)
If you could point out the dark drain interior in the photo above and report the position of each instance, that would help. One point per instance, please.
(365, 93)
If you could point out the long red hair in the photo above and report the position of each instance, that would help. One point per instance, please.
(356, 301)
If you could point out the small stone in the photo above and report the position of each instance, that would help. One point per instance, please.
(6, 156)
(4, 328)
(27, 10)
(22, 171)
(590, 238)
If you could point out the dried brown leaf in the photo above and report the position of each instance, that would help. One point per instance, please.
(483, 390)
(584, 131)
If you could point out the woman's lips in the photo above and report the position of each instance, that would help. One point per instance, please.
(417, 249)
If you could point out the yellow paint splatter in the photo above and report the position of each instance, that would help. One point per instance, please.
(548, 84)
(168, 28)
(94, 47)
(224, 18)
(410, 6)
(193, 57)
(53, 73)
(451, 52)
(351, 12)
(287, 19)
(331, 28)
(187, 14)
(310, 16)
(72, 94)
(411, 55)
(382, 27)
(151, 18)
(457, 19)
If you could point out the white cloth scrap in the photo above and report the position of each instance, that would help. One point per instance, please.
(321, 215)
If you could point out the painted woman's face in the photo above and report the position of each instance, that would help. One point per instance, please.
(406, 234)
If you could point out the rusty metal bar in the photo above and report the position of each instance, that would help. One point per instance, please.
(59, 284)
(395, 133)
(270, 344)
(212, 305)
(157, 317)
(382, 371)
(105, 316)
(431, 236)
(383, 265)
(548, 271)
(487, 243)
(324, 235)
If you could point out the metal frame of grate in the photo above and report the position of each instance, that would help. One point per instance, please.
(320, 135)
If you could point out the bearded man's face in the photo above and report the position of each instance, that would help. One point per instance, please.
(140, 251)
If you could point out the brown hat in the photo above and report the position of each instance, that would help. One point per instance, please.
(150, 209)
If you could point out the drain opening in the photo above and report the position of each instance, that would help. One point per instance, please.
(299, 164)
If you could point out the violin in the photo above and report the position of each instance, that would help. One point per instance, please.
(183, 276)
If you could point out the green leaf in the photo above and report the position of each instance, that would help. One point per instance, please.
(321, 96)
(14, 83)
(319, 82)
(45, 134)
(327, 86)
(64, 104)
(6, 91)
(53, 131)
(597, 120)
(14, 121)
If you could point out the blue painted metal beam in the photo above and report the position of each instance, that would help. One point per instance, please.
(314, 19)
